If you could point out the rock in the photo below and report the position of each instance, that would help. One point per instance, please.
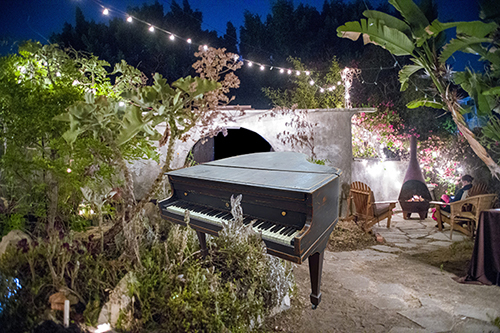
(119, 302)
(12, 238)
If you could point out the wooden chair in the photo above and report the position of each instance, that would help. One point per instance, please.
(367, 211)
(464, 214)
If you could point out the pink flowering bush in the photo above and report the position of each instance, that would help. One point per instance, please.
(383, 135)
(374, 133)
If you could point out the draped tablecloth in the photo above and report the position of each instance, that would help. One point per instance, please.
(485, 263)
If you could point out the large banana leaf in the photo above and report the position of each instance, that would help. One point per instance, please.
(477, 29)
(389, 20)
(463, 44)
(492, 129)
(413, 15)
(376, 32)
(405, 73)
(424, 102)
(475, 86)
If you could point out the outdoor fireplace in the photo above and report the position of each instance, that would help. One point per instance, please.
(414, 196)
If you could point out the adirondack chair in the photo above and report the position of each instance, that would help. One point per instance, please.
(362, 208)
(464, 214)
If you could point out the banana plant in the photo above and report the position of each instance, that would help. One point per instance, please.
(416, 37)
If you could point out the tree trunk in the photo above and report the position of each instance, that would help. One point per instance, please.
(480, 151)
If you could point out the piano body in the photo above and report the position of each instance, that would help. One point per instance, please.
(292, 202)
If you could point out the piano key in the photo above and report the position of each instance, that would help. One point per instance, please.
(269, 230)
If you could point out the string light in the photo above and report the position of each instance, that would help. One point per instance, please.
(250, 63)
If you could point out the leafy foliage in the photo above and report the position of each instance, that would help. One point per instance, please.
(421, 42)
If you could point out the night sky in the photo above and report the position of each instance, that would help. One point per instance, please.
(37, 19)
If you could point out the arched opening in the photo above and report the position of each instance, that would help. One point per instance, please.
(238, 141)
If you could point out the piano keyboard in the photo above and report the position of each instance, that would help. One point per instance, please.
(270, 231)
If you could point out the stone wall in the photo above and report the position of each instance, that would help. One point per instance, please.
(333, 142)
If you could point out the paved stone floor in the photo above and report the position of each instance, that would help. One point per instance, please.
(388, 282)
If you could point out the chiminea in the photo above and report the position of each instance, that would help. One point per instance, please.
(414, 196)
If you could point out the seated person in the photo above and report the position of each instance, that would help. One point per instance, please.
(461, 193)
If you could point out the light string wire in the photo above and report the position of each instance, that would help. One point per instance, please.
(347, 74)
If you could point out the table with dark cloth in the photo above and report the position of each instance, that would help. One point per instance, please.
(485, 263)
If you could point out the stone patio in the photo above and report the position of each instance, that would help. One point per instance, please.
(387, 289)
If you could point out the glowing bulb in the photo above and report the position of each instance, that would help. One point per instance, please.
(172, 37)
(307, 72)
(261, 67)
(129, 19)
(151, 28)
(333, 87)
(297, 72)
(339, 83)
(322, 90)
(289, 72)
(311, 82)
(282, 70)
(250, 64)
(105, 11)
(205, 47)
(58, 74)
(330, 89)
(68, 170)
(121, 104)
(236, 57)
(189, 41)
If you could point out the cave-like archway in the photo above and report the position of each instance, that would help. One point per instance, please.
(238, 141)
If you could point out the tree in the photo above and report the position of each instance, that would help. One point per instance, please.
(305, 95)
(414, 36)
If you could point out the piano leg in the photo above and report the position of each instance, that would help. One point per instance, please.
(203, 243)
(315, 269)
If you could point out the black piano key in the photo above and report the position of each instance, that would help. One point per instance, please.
(291, 231)
(258, 223)
(247, 220)
(276, 228)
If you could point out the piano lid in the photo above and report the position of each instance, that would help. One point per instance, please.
(279, 170)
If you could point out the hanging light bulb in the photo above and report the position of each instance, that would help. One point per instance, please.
(289, 72)
(339, 83)
(321, 90)
(205, 47)
(189, 41)
(307, 73)
(333, 87)
(121, 104)
(105, 11)
(261, 67)
(129, 19)
(172, 37)
(151, 28)
(297, 72)
(282, 70)
(250, 64)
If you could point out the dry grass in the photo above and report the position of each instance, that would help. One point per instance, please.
(454, 259)
(347, 236)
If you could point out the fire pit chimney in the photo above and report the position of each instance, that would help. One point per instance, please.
(414, 196)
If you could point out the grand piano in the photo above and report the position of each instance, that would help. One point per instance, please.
(293, 203)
